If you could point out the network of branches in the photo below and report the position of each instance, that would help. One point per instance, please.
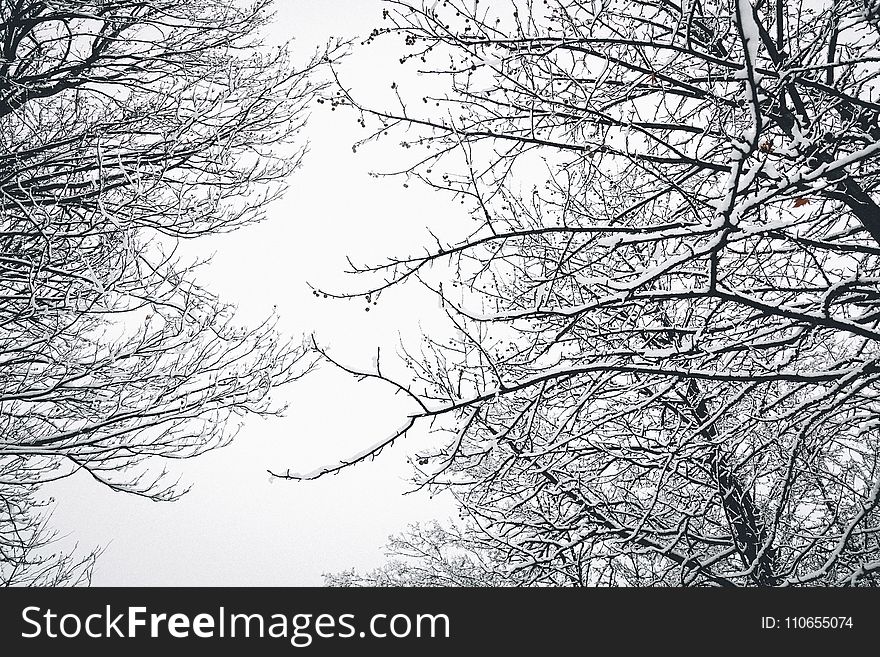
(664, 367)
(126, 127)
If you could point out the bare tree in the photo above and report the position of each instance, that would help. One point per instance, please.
(125, 128)
(666, 362)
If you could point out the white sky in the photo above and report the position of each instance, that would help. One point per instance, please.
(238, 526)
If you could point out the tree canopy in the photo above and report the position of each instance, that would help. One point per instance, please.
(126, 127)
(666, 363)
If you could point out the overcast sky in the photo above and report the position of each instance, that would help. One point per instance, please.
(238, 526)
